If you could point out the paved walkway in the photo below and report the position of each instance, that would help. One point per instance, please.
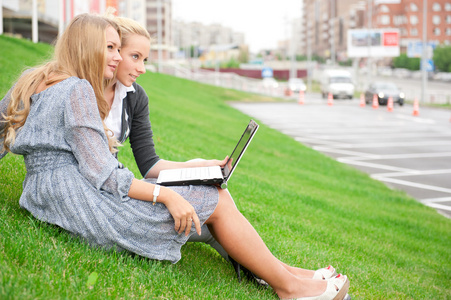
(411, 153)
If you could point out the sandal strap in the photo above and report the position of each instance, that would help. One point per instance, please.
(331, 292)
(325, 273)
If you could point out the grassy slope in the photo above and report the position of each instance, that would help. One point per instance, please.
(318, 212)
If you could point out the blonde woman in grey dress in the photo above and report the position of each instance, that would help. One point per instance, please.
(53, 116)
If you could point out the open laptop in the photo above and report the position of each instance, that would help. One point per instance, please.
(210, 175)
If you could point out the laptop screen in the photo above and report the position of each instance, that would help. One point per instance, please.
(240, 148)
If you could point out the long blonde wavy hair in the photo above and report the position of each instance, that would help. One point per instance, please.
(81, 52)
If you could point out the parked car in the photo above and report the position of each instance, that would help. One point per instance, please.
(402, 73)
(385, 71)
(384, 90)
(270, 82)
(296, 85)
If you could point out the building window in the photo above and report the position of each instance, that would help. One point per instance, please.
(437, 31)
(436, 7)
(413, 20)
(413, 7)
(384, 9)
(398, 20)
(448, 31)
(384, 20)
(448, 6)
(448, 19)
(413, 32)
(436, 20)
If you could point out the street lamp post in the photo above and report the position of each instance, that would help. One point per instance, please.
(61, 14)
(159, 33)
(293, 70)
(309, 57)
(332, 31)
(34, 21)
(1, 17)
(424, 53)
(369, 62)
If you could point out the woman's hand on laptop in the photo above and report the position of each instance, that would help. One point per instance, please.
(215, 162)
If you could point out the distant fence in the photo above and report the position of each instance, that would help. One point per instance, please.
(223, 79)
(278, 74)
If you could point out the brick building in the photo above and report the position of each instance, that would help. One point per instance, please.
(325, 22)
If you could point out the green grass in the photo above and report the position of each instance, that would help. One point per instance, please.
(310, 210)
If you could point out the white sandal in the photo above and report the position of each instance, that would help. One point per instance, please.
(337, 289)
(325, 273)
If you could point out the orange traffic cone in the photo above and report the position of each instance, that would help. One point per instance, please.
(330, 99)
(375, 101)
(362, 100)
(301, 97)
(390, 104)
(416, 107)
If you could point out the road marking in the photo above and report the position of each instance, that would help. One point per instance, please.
(414, 173)
(434, 200)
(438, 206)
(375, 166)
(383, 145)
(412, 184)
(416, 119)
(401, 156)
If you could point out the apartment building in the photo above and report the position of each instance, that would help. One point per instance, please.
(408, 17)
(211, 43)
(53, 15)
(187, 34)
(325, 22)
(152, 10)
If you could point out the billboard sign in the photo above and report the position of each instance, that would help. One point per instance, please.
(373, 43)
(415, 49)
(376, 2)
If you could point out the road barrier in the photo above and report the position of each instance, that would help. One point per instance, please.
(390, 104)
(330, 99)
(301, 97)
(416, 107)
(375, 101)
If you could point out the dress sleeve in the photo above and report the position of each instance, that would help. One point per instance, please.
(3, 107)
(141, 135)
(85, 134)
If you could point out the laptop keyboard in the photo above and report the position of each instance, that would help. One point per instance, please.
(193, 173)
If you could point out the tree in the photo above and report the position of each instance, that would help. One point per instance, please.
(442, 58)
(403, 61)
(243, 57)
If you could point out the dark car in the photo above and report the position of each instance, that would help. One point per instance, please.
(384, 90)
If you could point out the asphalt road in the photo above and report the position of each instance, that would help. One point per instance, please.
(407, 152)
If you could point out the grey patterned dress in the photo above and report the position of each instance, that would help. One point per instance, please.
(73, 180)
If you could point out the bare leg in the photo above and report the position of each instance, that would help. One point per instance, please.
(243, 243)
(207, 238)
(302, 273)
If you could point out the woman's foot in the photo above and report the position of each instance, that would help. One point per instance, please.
(325, 273)
(336, 289)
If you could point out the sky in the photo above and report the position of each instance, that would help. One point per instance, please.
(263, 22)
